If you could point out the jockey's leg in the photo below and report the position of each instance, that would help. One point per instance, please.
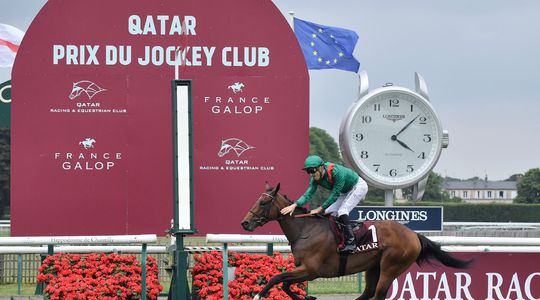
(350, 201)
(350, 245)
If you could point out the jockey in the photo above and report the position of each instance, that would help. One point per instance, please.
(346, 190)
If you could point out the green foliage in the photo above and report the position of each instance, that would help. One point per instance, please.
(374, 195)
(323, 145)
(4, 154)
(529, 187)
(491, 212)
(515, 177)
(5, 166)
(434, 189)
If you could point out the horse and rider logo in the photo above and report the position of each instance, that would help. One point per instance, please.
(236, 87)
(87, 143)
(91, 89)
(234, 144)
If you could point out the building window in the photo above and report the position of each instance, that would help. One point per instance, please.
(465, 194)
(453, 194)
(478, 194)
(489, 194)
(501, 194)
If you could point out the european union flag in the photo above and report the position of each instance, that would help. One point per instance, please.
(327, 47)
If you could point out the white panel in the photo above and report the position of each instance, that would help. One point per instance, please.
(184, 187)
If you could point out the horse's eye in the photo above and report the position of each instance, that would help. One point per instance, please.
(265, 203)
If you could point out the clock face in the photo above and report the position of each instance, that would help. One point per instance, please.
(393, 137)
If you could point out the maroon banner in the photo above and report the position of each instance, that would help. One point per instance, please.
(493, 276)
(92, 114)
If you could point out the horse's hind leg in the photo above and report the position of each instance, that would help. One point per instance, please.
(372, 278)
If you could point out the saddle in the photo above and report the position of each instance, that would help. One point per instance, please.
(363, 235)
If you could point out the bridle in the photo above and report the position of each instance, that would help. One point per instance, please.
(263, 217)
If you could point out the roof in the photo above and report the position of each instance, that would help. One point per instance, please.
(480, 185)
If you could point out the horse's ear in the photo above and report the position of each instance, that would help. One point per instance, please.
(276, 190)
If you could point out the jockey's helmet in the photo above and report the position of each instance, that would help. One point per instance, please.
(313, 161)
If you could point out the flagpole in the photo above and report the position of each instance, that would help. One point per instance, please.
(177, 64)
(291, 19)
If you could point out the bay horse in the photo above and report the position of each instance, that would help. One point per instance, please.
(315, 256)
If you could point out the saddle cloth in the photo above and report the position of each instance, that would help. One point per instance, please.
(363, 236)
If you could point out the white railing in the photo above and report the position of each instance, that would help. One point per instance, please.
(450, 243)
(20, 245)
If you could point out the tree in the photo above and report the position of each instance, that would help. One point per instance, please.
(515, 177)
(529, 187)
(5, 163)
(322, 144)
(434, 189)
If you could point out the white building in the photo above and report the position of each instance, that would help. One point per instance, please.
(482, 191)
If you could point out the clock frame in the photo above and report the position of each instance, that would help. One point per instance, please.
(392, 136)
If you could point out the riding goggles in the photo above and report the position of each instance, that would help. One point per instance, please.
(311, 170)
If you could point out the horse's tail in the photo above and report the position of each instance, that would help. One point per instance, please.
(431, 250)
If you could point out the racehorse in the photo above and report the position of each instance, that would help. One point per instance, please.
(314, 249)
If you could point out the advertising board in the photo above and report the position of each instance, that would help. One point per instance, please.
(493, 276)
(92, 121)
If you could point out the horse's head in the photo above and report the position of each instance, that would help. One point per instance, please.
(266, 208)
(225, 148)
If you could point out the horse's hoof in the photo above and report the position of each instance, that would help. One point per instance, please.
(257, 297)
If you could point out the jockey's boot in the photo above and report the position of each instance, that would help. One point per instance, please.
(348, 232)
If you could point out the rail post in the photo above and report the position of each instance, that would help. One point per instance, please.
(225, 272)
(143, 272)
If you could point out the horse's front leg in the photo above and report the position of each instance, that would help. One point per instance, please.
(298, 274)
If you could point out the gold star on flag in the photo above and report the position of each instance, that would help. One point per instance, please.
(335, 60)
(320, 30)
(327, 62)
(341, 54)
(315, 52)
(314, 35)
(319, 59)
(312, 44)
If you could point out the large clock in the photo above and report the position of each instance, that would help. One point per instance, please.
(392, 136)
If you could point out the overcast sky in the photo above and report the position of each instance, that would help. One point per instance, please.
(480, 59)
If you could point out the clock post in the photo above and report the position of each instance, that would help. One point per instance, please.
(392, 137)
(388, 197)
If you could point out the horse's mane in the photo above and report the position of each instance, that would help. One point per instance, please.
(298, 209)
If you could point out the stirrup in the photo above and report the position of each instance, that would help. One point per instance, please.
(351, 248)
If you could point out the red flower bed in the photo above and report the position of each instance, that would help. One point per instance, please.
(97, 276)
(252, 273)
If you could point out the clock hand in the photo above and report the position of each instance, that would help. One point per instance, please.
(408, 124)
(394, 138)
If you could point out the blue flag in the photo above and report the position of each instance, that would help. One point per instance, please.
(326, 47)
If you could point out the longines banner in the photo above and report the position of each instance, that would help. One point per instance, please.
(92, 120)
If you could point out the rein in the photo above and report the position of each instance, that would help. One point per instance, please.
(264, 217)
